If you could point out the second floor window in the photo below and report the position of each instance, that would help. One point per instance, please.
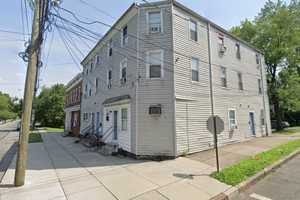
(154, 22)
(123, 71)
(97, 60)
(155, 64)
(257, 59)
(97, 83)
(259, 86)
(125, 36)
(240, 81)
(92, 66)
(232, 119)
(223, 77)
(195, 69)
(193, 30)
(109, 79)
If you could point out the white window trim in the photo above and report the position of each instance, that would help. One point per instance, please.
(121, 67)
(236, 121)
(161, 20)
(191, 64)
(161, 63)
(189, 31)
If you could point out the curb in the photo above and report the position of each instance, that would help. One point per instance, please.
(234, 191)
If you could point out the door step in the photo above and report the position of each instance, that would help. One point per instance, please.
(108, 149)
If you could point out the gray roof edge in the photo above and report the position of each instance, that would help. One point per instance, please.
(107, 32)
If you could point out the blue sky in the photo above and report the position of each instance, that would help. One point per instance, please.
(59, 68)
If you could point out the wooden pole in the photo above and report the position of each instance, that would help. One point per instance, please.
(33, 50)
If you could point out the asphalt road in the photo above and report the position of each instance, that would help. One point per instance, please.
(282, 184)
(8, 138)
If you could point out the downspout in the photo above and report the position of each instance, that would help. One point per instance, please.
(263, 96)
(137, 80)
(174, 86)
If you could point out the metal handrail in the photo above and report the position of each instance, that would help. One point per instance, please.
(107, 133)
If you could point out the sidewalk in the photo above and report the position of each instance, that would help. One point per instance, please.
(60, 169)
(231, 154)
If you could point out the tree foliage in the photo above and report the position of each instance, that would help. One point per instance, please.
(7, 107)
(276, 32)
(50, 106)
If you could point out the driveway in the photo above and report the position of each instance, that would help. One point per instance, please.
(233, 153)
(60, 169)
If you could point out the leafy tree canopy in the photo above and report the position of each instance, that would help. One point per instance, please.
(276, 32)
(50, 106)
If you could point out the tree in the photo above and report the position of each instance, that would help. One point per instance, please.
(50, 106)
(6, 107)
(276, 32)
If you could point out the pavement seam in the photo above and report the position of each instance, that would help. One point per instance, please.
(52, 162)
(82, 166)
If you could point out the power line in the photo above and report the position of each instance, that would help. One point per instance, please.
(171, 70)
(13, 32)
(149, 42)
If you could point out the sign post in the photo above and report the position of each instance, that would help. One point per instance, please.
(215, 125)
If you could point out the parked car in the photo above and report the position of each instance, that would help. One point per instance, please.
(284, 124)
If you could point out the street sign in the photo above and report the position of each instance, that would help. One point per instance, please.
(219, 124)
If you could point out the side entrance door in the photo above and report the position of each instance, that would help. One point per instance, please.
(115, 126)
(252, 123)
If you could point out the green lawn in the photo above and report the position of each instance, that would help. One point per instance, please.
(289, 131)
(54, 130)
(243, 170)
(35, 138)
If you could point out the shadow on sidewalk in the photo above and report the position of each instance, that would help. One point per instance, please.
(6, 160)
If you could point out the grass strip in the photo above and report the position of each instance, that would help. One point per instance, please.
(288, 131)
(54, 130)
(35, 138)
(245, 169)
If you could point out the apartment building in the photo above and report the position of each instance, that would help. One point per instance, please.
(151, 83)
(72, 105)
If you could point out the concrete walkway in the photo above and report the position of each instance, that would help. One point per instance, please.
(60, 169)
(234, 153)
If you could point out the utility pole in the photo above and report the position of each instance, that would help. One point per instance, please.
(40, 8)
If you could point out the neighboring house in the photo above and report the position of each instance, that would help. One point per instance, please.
(72, 105)
(148, 83)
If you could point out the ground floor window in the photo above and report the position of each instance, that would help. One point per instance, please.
(232, 119)
(124, 118)
(262, 117)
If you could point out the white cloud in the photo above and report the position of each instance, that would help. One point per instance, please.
(20, 74)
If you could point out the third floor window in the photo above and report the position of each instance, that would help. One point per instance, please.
(154, 22)
(193, 30)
